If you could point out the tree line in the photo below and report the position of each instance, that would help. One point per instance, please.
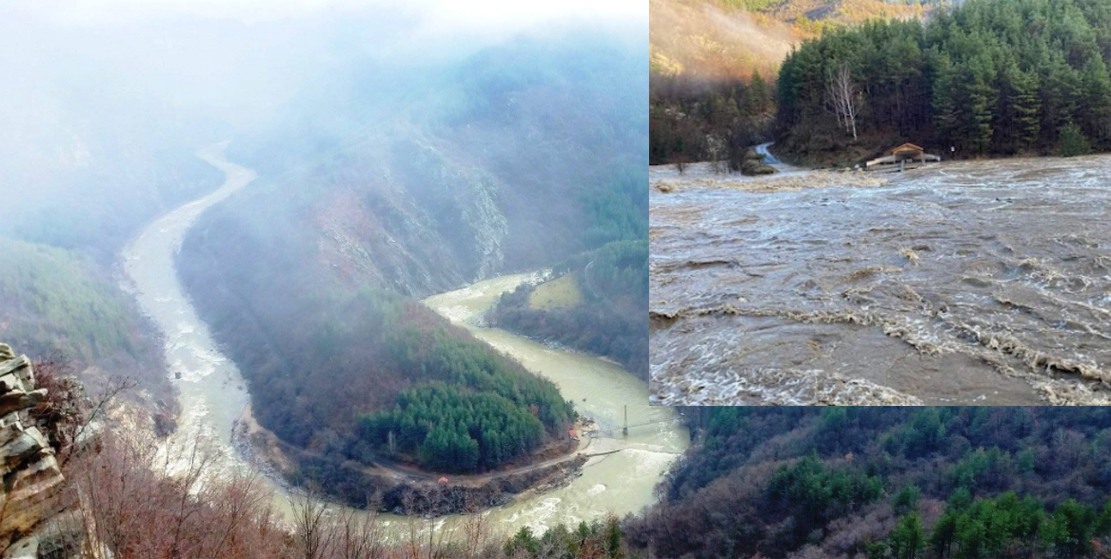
(989, 77)
(450, 430)
(594, 326)
(1002, 526)
(612, 274)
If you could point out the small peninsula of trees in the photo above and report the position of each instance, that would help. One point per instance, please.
(989, 77)
(352, 355)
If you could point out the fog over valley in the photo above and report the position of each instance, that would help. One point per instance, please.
(226, 220)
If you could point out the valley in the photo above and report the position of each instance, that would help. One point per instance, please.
(619, 474)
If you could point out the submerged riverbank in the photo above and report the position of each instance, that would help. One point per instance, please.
(969, 283)
(405, 489)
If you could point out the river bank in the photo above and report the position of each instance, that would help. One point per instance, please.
(406, 489)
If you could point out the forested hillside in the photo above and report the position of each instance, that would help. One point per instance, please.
(470, 167)
(713, 65)
(608, 285)
(886, 482)
(726, 40)
(695, 120)
(993, 77)
(325, 356)
(57, 303)
(89, 158)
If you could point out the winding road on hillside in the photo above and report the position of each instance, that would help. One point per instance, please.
(213, 393)
(770, 159)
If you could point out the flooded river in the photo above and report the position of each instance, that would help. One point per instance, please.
(213, 394)
(962, 283)
(618, 483)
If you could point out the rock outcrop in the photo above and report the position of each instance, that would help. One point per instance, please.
(32, 480)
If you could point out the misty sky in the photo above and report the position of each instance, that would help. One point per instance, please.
(481, 15)
(114, 78)
(245, 56)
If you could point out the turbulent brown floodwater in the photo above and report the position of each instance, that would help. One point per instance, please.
(964, 283)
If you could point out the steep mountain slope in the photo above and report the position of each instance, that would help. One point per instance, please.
(452, 172)
(97, 140)
(62, 305)
(716, 41)
(594, 303)
(728, 40)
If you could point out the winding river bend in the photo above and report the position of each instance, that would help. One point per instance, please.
(963, 283)
(213, 395)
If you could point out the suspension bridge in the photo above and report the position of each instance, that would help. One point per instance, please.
(624, 429)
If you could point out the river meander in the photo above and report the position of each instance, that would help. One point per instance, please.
(213, 393)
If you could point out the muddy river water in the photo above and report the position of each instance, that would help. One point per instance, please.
(963, 283)
(212, 391)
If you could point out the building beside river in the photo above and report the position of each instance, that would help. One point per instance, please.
(902, 157)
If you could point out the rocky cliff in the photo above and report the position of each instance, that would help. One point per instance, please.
(32, 480)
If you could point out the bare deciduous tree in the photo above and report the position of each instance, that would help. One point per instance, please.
(844, 98)
(67, 412)
(311, 529)
(358, 534)
(136, 497)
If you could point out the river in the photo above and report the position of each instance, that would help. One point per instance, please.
(963, 283)
(213, 395)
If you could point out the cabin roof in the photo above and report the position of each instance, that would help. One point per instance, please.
(906, 147)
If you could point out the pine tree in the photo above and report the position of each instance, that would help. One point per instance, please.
(759, 96)
(908, 538)
(944, 102)
(1073, 142)
(1096, 107)
(1060, 92)
(1025, 104)
(613, 539)
(944, 534)
(980, 95)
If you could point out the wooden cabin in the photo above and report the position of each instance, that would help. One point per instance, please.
(900, 158)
